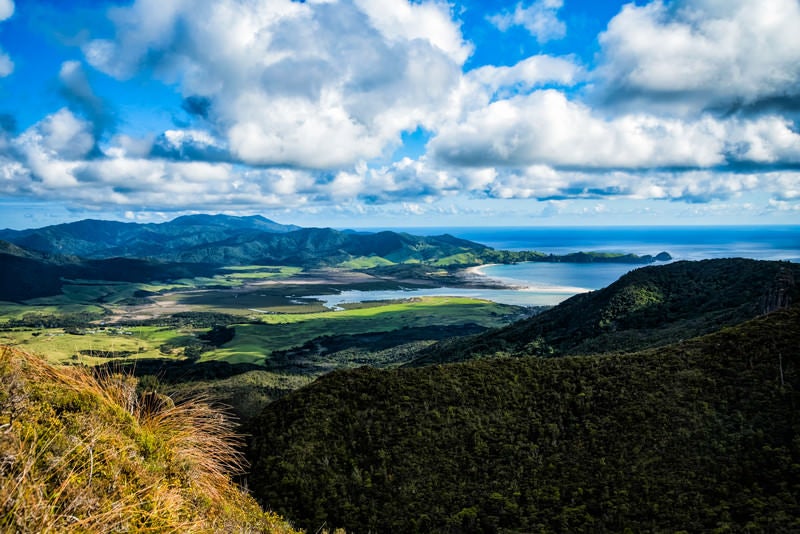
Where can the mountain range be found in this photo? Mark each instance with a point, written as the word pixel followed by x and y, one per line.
pixel 226 240
pixel 35 262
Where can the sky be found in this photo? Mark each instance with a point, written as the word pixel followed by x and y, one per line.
pixel 358 113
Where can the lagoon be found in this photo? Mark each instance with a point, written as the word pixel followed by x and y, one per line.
pixel 534 284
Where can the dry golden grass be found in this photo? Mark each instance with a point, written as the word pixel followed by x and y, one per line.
pixel 81 452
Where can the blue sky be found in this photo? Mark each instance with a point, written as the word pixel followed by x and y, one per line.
pixel 396 113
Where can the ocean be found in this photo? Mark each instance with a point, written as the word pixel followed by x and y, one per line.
pixel 682 242
pixel 547 284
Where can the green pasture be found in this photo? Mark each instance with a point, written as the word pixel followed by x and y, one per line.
pixel 55 306
pixel 93 292
pixel 94 345
pixel 256 272
pixel 249 302
pixel 254 342
pixel 236 276
pixel 365 262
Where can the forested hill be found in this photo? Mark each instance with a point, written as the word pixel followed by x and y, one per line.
pixel 699 436
pixel 91 238
pixel 647 307
pixel 226 240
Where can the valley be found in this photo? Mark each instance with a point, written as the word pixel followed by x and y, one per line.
pixel 440 413
pixel 100 292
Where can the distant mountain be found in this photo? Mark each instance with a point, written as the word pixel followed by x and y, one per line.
pixel 320 247
pixel 226 240
pixel 139 254
pixel 35 261
pixel 699 436
pixel 105 239
pixel 647 307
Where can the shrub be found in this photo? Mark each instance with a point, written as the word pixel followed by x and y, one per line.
pixel 83 451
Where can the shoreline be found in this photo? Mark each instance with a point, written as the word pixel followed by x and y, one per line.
pixel 478 269
pixel 475 276
pixel 476 273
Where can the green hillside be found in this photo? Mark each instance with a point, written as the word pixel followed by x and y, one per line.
pixel 647 307
pixel 226 240
pixel 702 435
pixel 106 239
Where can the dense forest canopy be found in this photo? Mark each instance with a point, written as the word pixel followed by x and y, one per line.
pixel 697 436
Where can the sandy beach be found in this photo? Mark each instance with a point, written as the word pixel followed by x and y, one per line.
pixel 477 274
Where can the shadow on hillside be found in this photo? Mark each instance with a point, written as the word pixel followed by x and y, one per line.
pixel 176 372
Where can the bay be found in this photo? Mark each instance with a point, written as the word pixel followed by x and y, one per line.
pixel 546 284
pixel 682 242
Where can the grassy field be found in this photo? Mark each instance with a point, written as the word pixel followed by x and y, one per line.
pixel 254 342
pixel 265 272
pixel 365 262
pixel 99 321
pixel 14 310
pixel 94 345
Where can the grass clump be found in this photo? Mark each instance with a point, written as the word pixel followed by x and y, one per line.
pixel 85 452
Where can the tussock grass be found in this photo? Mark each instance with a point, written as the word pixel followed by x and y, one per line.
pixel 85 452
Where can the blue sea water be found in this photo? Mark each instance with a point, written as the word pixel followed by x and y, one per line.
pixel 540 284
pixel 682 242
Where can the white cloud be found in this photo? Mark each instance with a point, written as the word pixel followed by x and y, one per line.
pixel 545 183
pixel 545 127
pixel 699 53
pixel 6 9
pixel 299 106
pixel 402 21
pixel 540 18
pixel 122 146
pixel 784 206
pixel 530 72
pixel 61 136
pixel 78 92
pixel 769 139
pixel 315 85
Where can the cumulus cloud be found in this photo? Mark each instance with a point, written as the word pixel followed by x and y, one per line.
pixel 700 186
pixel 545 127
pixel 60 136
pixel 52 149
pixel 313 84
pixel 694 54
pixel 51 162
pixel 540 18
pixel 529 73
pixel 300 105
pixel 6 9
